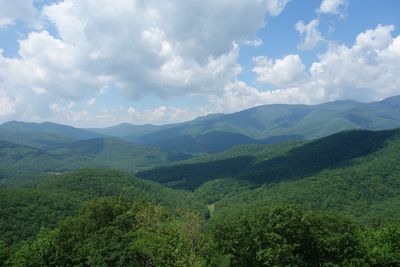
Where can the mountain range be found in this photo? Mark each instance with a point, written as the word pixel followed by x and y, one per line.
pixel 217 132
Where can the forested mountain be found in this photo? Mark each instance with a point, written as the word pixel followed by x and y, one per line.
pixel 127 131
pixel 263 125
pixel 42 135
pixel 217 132
pixel 356 172
pixel 276 123
pixel 345 186
pixel 269 163
pixel 41 201
pixel 107 152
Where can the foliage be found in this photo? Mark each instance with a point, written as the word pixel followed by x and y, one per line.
pixel 53 197
pixel 346 189
pixel 24 161
pixel 114 232
pixel 24 211
pixel 289 236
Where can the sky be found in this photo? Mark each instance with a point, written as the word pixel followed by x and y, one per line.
pixel 97 63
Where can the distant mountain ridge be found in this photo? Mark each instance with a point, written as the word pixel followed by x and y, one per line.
pixel 281 122
pixel 43 135
pixel 217 132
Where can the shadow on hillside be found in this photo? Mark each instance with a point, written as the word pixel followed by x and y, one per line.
pixel 325 153
pixel 329 152
pixel 192 175
pixel 91 146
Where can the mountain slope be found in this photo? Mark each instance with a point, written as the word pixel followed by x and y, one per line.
pixel 278 122
pixel 126 130
pixel 18 160
pixel 260 164
pixel 42 135
pixel 43 201
pixel 366 187
pixel 355 172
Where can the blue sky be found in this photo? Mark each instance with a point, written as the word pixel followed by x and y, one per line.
pixel 95 63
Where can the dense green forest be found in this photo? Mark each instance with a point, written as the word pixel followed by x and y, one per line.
pixel 116 232
pixel 354 172
pixel 328 202
pixel 18 160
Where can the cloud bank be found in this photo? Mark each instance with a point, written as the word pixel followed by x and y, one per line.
pixel 177 48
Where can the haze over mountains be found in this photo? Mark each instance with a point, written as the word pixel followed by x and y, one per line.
pixel 215 133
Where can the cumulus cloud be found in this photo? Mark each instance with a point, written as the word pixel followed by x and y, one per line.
pixel 335 7
pixel 44 71
pixel 162 49
pixel 239 95
pixel 311 36
pixel 275 7
pixel 281 72
pixel 164 114
pixel 14 10
pixel 366 71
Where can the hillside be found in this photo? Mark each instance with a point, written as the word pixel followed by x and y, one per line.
pixel 42 135
pixel 355 172
pixel 113 153
pixel 345 188
pixel 28 205
pixel 127 131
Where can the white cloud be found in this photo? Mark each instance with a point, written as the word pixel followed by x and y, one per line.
pixel 335 7
pixel 256 42
pixel 238 96
pixel 67 114
pixel 365 71
pixel 13 10
pixel 157 115
pixel 281 72
pixel 7 106
pixel 44 71
pixel 163 114
pixel 311 36
pixel 162 49
pixel 275 7
pixel 92 102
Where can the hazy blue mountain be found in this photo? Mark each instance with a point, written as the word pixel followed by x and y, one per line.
pixel 216 132
pixel 276 123
pixel 42 135
pixel 126 130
